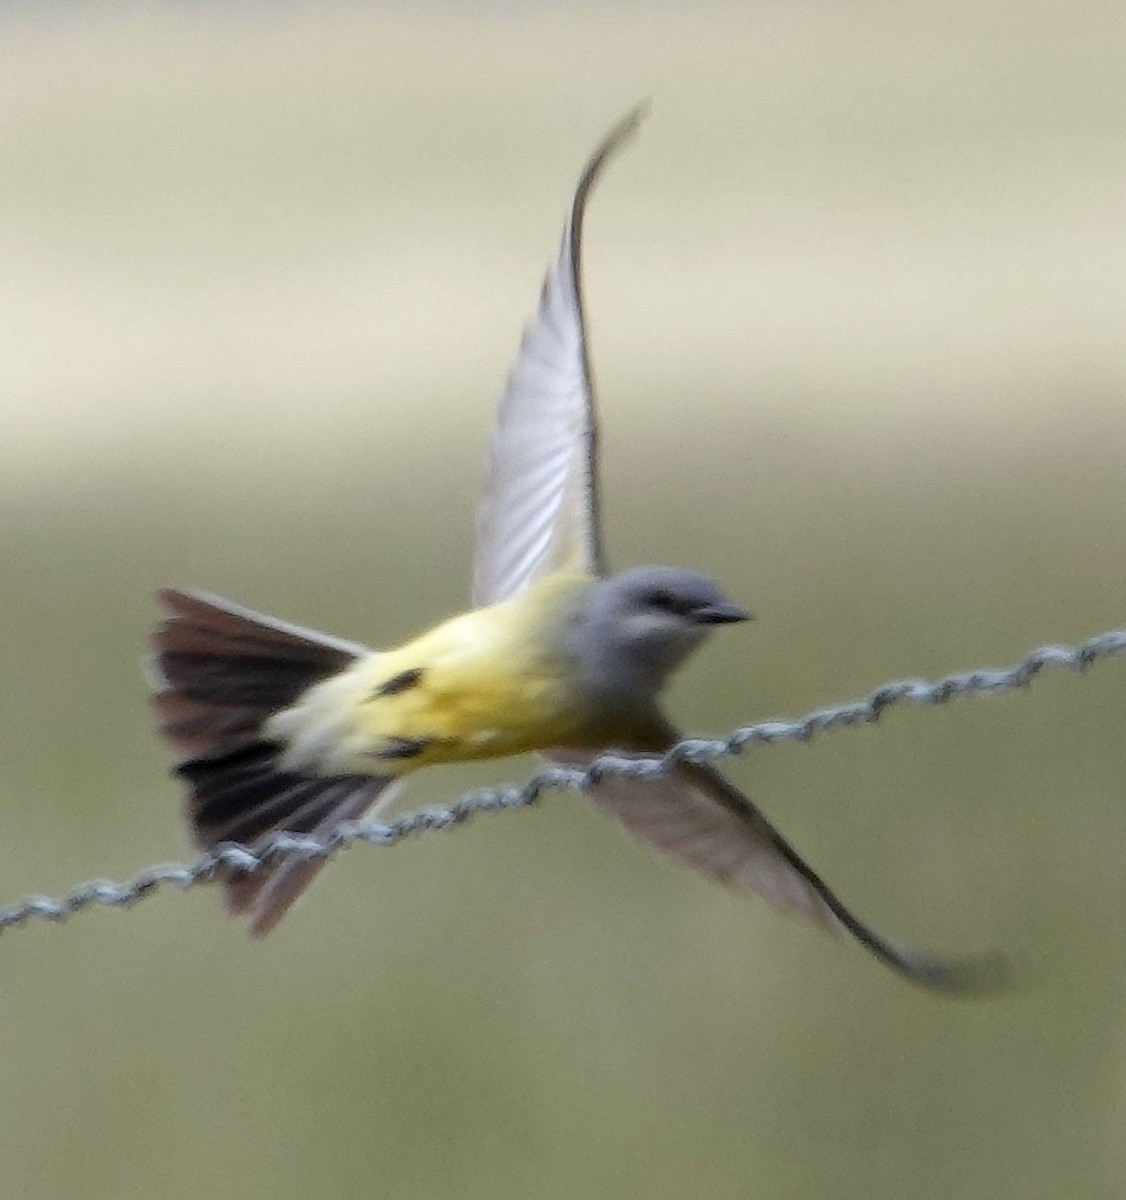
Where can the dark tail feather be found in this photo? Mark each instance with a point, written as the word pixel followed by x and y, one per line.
pixel 220 670
pixel 220 673
pixel 245 796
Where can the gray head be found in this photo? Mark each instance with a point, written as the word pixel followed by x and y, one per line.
pixel 637 626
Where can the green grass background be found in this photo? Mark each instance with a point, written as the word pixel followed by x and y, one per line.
pixel 858 311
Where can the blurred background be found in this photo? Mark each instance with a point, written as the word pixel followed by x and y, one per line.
pixel 858 298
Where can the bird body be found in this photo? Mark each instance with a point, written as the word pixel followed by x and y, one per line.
pixel 485 684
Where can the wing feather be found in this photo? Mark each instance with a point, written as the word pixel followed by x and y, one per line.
pixel 701 820
pixel 539 503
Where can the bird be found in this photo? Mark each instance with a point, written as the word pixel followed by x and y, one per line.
pixel 280 728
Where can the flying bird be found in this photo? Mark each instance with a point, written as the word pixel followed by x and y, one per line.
pixel 281 728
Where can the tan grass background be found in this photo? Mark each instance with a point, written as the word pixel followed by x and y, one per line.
pixel 858 309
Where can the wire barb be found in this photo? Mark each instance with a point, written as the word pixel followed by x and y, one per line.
pixel 505 798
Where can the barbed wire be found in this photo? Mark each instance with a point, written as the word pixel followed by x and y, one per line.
pixel 280 846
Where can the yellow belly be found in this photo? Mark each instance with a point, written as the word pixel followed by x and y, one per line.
pixel 484 684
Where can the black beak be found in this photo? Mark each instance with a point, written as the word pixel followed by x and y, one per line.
pixel 719 614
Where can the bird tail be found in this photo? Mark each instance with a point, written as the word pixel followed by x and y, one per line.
pixel 219 673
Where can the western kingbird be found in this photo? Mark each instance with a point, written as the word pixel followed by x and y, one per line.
pixel 281 728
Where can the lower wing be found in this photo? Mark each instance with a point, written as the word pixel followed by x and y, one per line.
pixel 698 818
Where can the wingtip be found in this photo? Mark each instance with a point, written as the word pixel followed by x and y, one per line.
pixel 974 977
pixel 621 131
pixel 629 124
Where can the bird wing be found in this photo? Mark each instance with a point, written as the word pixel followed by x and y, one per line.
pixel 538 510
pixel 698 818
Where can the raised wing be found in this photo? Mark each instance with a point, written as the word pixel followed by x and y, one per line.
pixel 700 819
pixel 539 503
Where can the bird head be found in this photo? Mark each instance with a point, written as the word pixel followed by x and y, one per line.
pixel 639 625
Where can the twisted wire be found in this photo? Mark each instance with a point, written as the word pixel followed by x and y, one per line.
pixel 504 798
